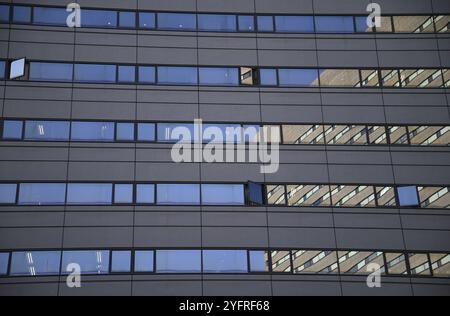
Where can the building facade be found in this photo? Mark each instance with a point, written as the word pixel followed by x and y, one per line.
pixel 360 114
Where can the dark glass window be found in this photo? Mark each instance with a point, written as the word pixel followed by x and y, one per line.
pixel 255 193
pixel 298 77
pixel 21 14
pixel 51 71
pixel 35 263
pixel 265 23
pixel 219 76
pixel 2 69
pixel 177 75
pixel 95 131
pixel 127 19
pixel 4 13
pixel 334 24
pixel 226 194
pixel 127 74
pixel 225 261
pixel 294 24
pixel 268 77
pixel 178 261
pixel 95 73
pixel 8 193
pixel 123 193
pixel 42 193
pixel 121 261
pixel 217 22
pixel 145 193
pixel 98 18
pixel 182 194
pixel 147 20
pixel 12 129
pixel 177 21
pixel 407 196
pixel 125 131
pixel 259 261
pixel 4 260
pixel 146 132
pixel 50 16
pixel 167 132
pixel 47 130
pixel 143 261
pixel 246 23
pixel 90 261
pixel 89 193
pixel 146 74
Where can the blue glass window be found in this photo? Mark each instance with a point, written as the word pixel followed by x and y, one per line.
pixel 2 69
pixel 178 261
pixel 123 193
pixel 145 193
pixel 265 23
pixel 42 193
pixel 226 194
pixel 125 131
pixel 255 193
pixel 146 74
pixel 4 13
pixel 12 129
pixel 407 196
pixel 50 16
pixel 35 263
pixel 47 130
pixel 361 25
pixel 177 75
pixel 246 23
pixel 217 22
pixel 95 131
pixel 147 20
pixel 222 133
pixel 177 21
pixel 258 261
pixel 89 193
pixel 21 14
pixel 127 74
pixel 95 73
pixel 121 261
pixel 8 193
pixel 219 76
pixel 294 24
pixel 51 71
pixel 146 132
pixel 143 261
pixel 174 132
pixel 127 19
pixel 298 77
pixel 98 18
pixel 90 261
pixel 225 261
pixel 4 260
pixel 268 77
pixel 182 194
pixel 334 24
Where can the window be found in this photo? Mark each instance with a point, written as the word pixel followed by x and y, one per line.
pixel 145 193
pixel 127 74
pixel 50 16
pixel 89 193
pixel 177 21
pixel 125 131
pixel 12 129
pixel 121 261
pixel 407 196
pixel 421 78
pixel 2 69
pixel 21 14
pixel 177 75
pixel 98 18
pixel 434 197
pixel 265 23
pixel 346 134
pixel 17 68
pixel 225 261
pixel 398 135
pixel 4 261
pixel 123 193
pixel 35 263
pixel 353 195
pixel 308 195
pixel 334 24
pixel 377 135
pixel 94 131
pixel 298 77
pixel 248 76
pixel 90 261
pixel 226 194
pixel 4 13
pixel 51 71
pixel 127 19
pixel 385 196
pixel 440 264
pixel 174 132
pixel 246 23
pixel 419 264
pixel 217 22
pixel 8 193
pixel 268 77
pixel 222 133
pixel 259 261
pixel 147 20
pixel 317 262
pixel 294 24
pixel 339 78
pixel 357 262
pixel 219 76
pixel 143 261
pixel 178 261
pixel 47 130
pixel 361 25
pixel 146 132
pixel 385 25
pixel 255 193
pixel 370 78
pixel 390 78
pixel 281 261
pixel 95 73
pixel 276 194
pixel 146 74
pixel 429 135
pixel 413 24
pixel 303 134
pixel 42 193
pixel 441 23
pixel 182 194
pixel 395 263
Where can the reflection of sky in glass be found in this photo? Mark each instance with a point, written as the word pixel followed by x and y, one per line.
pixel 225 261
pixel 178 261
pixel 297 77
pixel 35 263
pixel 91 262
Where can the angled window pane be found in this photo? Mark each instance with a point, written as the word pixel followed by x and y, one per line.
pixel 442 23
pixel 377 135
pixel 385 196
pixel 127 74
pixel 370 78
pixel 8 193
pixel 146 132
pixel 396 263
pixel 386 24
pixel 4 13
pixel 398 135
pixel 276 194
pixel 390 78
pixel 281 261
pixel 317 262
pixel 127 19
pixel 4 261
pixel 357 262
pixel 90 261
pixel 217 22
pixel 265 23
pixel 353 195
pixel 182 194
pixel 346 134
pixel 50 16
pixel 308 195
pixel 145 193
pixel 2 69
pixel 259 261
pixel 413 24
pixel 303 134
pixel 146 74
pixel 440 264
pixel 225 194
pixel 339 78
pixel 47 130
pixel 12 129
pixel 95 73
pixel 147 20
pixel 421 78
pixel 248 76
pixel 33 263
pixel 143 261
pixel 219 76
pixel 429 135
pixel 42 193
pixel 89 193
pixel 246 23
pixel 361 25
pixel 294 24
pixel 95 131
pixel 407 196
pixel 98 18
pixel 419 264
pixel 177 75
pixel 121 261
pixel 298 77
pixel 123 193
pixel 255 193
pixel 177 21
pixel 434 197
pixel 225 261
pixel 21 14
pixel 174 132
pixel 125 131
pixel 268 77
pixel 51 71
pixel 334 24
pixel 178 261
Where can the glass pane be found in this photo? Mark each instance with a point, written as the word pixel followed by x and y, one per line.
pixel 127 74
pixel 147 74
pixel 429 135
pixel 95 73
pixel 361 25
pixel 47 130
pixel 259 261
pixel 407 196
pixel 339 78
pixel 21 14
pixel 312 261
pixel 35 263
pixel 146 132
pixel 357 262
pixel 276 194
pixel 265 23
pixel 398 135
pixel 268 77
pixel 308 195
pixel 98 18
pixel 219 76
pixel 145 193
pixel 143 261
pixel 390 78
pixel 440 263
pixel 96 131
pixel 281 261
pixel 177 75
pixel 50 16
pixel 125 131
pixel 370 78
pixel 446 74
pixel 127 19
pixel 147 20
pixel 217 22
pixel 353 195
pixel 334 24
pixel 51 71
pixel 303 134
pixel 178 261
pixel 413 24
pixel 182 194
pixel 225 261
pixel 12 129
pixel 246 23
pixel 386 24
pixel 385 196
pixel 177 21
pixel 90 261
pixel 434 197
pixel 222 133
pixel 226 194
pixel 421 78
pixel 419 264
pixel 294 24
pixel 121 261
pixel 377 135
pixel 8 193
pixel 298 77
pixel 2 69
pixel 396 263
pixel 4 13
pixel 174 132
pixel 89 193
pixel 4 261
pixel 42 193
pixel 123 193
pixel 346 134
pixel 255 193
pixel 442 23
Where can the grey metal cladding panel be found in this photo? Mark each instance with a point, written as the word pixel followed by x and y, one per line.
pixel 43 36
pixel 283 219
pixel 32 153
pixel 230 112
pixel 426 222
pixel 235 6
pixel 159 237
pixel 100 237
pixel 167 288
pixel 444 43
pixel 37 108
pixel 227 57
pixel 299 173
pixel 351 97
pixel 168 5
pixel 287 58
pixel 358 157
pixel 431 289
pixel 209 42
pixel 417 115
pixel 33 171
pixel 29 289
pixel 414 97
pixel 289 97
pixel 101 154
pixel 234 288
pixel 402 7
pixel 284 6
pixel 430 240
pixel 301 156
pixel 421 44
pixel 438 175
pixel 351 59
pixel 441 6
pixel 105 93
pixel 172 56
pixel 167 39
pixel 87 37
pixel 167 218
pixel 239 237
pixel 101 171
pixel 306 288
pixel 234 219
pixel 280 43
pixel 291 114
pixel 408 58
pixel 302 238
pixel 341 7
pixel 31 219
pixel 367 221
pixel 361 173
pixel 354 238
pixel 226 96
pixel 106 288
pixel 41 51
pixel 108 54
pixel 129 4
pixel 169 111
pixel 30 238
pixel 346 44
pixel 35 91
pixel 167 172
pixel 420 158
pixel 99 219
pixel 353 114
pixel 104 110
pixel 386 289
pixel 167 95
pixel 445 58
pixel 232 172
